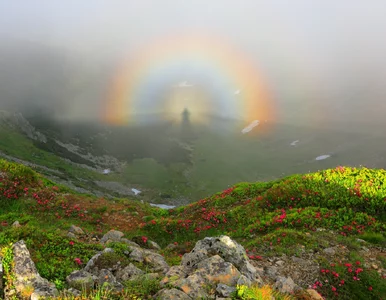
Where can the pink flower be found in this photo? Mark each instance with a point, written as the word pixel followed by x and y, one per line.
pixel 78 261
pixel 333 289
pixel 144 239
pixel 72 243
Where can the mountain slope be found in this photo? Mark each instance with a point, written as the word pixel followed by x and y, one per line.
pixel 329 220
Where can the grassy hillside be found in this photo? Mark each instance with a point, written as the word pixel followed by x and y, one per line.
pixel 342 207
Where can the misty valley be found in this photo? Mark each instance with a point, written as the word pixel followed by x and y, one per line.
pixel 178 162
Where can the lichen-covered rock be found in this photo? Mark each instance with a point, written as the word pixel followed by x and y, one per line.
pixel 156 261
pixel 194 286
pixel 175 273
pixel 189 260
pixel 285 284
pixel 216 270
pixel 71 235
pixel 107 279
pixel 27 276
pixel 129 243
pixel 80 280
pixel 226 248
pixel 130 272
pixel 171 294
pixel 153 245
pixel 225 290
pixel 73 292
pixel 112 236
pixel 244 281
pixel 91 265
pixel 137 254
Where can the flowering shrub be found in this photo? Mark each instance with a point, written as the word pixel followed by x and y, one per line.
pixel 343 280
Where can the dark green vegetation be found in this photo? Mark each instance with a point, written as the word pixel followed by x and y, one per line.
pixel 333 206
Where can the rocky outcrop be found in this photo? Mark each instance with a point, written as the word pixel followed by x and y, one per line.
pixel 217 262
pixel 212 270
pixel 26 275
pixel 22 123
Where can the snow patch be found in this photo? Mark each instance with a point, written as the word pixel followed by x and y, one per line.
pixel 322 157
pixel 250 126
pixel 135 191
pixel 164 206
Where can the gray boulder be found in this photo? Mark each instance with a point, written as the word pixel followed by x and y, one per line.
pixel 130 272
pixel 112 236
pixel 285 284
pixel 27 276
pixel 107 279
pixel 225 290
pixel 172 294
pixel 156 261
pixel 76 230
pixel 175 273
pixel 226 248
pixel 193 286
pixel 80 280
pixel 216 269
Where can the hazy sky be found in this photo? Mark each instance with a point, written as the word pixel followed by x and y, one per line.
pixel 332 50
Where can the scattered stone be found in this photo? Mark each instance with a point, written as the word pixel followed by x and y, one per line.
pixel 153 245
pixel 244 281
pixel 74 292
pixel 271 271
pixel 91 264
pixel 172 294
pixel 156 261
pixel 80 280
pixel 175 273
pixel 365 249
pixel 16 224
pixel 225 290
pixel 107 279
pixel 76 230
pixel 71 235
pixel 285 285
pixel 130 272
pixel 280 263
pixel 329 251
pixel 112 236
pixel 171 247
pixel 137 255
pixel 374 266
pixel 216 269
pixel 129 243
pixel 193 286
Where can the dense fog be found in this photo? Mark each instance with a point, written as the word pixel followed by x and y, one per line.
pixel 322 62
